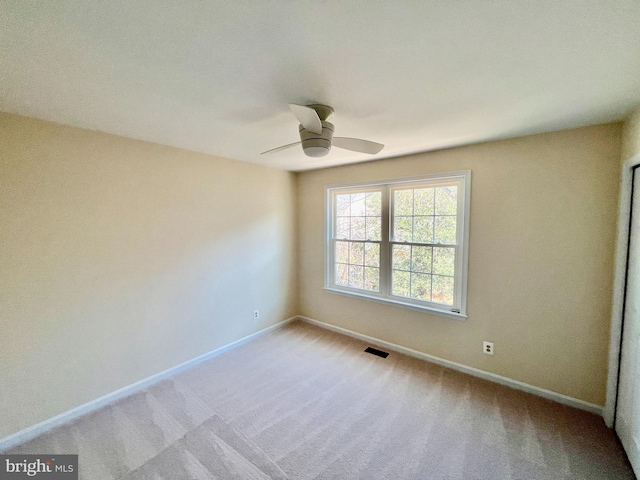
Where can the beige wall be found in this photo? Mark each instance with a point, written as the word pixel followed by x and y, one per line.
pixel 120 258
pixel 542 231
pixel 631 136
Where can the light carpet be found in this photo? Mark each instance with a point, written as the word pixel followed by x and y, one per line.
pixel 302 402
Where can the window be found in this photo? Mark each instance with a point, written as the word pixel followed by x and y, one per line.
pixel 401 241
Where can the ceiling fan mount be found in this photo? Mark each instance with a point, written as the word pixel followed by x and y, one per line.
pixel 316 133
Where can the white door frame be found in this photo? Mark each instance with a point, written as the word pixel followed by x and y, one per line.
pixel 619 284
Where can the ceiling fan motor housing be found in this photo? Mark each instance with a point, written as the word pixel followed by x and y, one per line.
pixel 317 145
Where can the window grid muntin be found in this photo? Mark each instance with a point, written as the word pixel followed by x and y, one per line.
pixel 350 264
pixel 431 273
pixel 436 186
pixel 461 180
pixel 334 267
pixel 366 218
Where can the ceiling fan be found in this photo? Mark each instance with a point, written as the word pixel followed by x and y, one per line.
pixel 316 133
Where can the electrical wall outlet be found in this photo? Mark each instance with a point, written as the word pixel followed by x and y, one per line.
pixel 256 314
pixel 487 347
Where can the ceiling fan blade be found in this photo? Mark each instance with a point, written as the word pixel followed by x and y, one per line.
pixel 307 117
pixel 357 145
pixel 283 147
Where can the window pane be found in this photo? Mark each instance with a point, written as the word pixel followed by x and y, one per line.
pixel 403 202
pixel 342 274
pixel 372 254
pixel 400 283
pixel 343 227
pixel 421 286
pixel 359 216
pixel 447 200
pixel 444 261
pixel 423 201
pixel 420 248
pixel 442 290
pixel 343 205
pixel 423 229
pixel 357 204
pixel 350 258
pixel 373 204
pixel 445 230
pixel 372 278
pixel 374 228
pixel 421 259
pixel 356 276
pixel 402 229
pixel 402 257
pixel 356 253
pixel 342 252
pixel 358 228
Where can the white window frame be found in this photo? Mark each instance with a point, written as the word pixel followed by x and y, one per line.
pixel 459 309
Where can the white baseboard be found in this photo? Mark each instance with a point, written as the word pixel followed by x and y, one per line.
pixel 65 417
pixel 70 415
pixel 525 387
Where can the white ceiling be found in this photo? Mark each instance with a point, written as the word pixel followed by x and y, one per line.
pixel 216 76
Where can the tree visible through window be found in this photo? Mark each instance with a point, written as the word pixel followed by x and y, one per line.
pixel 424 243
pixel 357 246
pixel 403 241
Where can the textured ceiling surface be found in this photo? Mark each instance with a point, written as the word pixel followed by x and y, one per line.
pixel 217 76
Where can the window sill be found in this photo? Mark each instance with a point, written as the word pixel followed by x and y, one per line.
pixel 398 303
